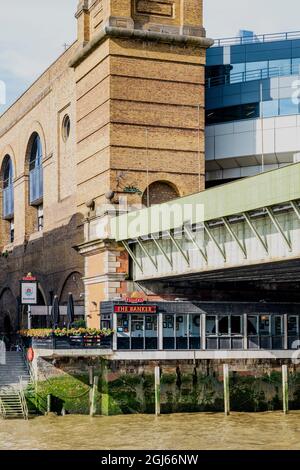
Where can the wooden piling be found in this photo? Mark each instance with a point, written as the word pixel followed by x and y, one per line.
pixel 48 404
pixel 285 389
pixel 104 389
pixel 226 389
pixel 93 404
pixel 157 389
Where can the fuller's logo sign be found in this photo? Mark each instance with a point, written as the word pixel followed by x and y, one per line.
pixel 29 287
pixel 135 309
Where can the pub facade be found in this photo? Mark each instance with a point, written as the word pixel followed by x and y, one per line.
pixel 214 326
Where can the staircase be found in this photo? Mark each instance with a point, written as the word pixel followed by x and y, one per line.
pixel 13 404
pixel 14 379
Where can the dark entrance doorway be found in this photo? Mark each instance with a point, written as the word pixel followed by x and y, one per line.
pixel 7 326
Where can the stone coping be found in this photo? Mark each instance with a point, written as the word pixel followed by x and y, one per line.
pixel 142 35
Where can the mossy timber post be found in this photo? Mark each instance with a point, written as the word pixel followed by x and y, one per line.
pixel 157 389
pixel 93 404
pixel 285 389
pixel 49 403
pixel 226 389
pixel 104 389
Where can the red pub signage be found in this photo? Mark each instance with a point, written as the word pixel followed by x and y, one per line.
pixel 135 309
pixel 133 300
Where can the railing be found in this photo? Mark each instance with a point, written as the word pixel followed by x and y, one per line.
pixel 260 74
pixel 261 38
pixel 28 366
pixel 73 342
pixel 8 201
pixel 2 410
pixel 23 399
pixel 36 184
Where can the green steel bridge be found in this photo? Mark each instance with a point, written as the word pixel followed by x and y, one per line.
pixel 245 230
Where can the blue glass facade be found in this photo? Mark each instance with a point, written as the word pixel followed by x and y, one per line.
pixel 246 81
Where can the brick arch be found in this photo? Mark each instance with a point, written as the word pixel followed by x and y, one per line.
pixel 8 151
pixel 74 284
pixel 36 128
pixel 5 159
pixel 159 192
pixel 8 310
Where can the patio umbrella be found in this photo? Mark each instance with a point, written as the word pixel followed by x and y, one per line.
pixel 55 313
pixel 70 310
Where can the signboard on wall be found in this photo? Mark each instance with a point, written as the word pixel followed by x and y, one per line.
pixel 135 308
pixel 28 292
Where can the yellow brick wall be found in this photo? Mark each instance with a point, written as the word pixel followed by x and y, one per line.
pixel 140 116
pixel 137 117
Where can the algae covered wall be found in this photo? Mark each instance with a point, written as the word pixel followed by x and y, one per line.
pixel 126 387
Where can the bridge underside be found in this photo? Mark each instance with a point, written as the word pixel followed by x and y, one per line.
pixel 278 272
pixel 277 282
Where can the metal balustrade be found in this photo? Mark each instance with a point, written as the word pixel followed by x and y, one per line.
pixel 260 38
pixel 36 184
pixel 250 75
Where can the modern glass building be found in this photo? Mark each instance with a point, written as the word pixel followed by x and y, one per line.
pixel 252 105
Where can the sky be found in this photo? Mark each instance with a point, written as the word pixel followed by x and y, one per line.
pixel 33 32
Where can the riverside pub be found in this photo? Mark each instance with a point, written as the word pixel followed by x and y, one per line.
pixel 211 326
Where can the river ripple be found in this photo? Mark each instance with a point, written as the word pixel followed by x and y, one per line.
pixel 203 431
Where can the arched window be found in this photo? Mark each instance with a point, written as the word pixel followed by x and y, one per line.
pixel 7 176
pixel 36 171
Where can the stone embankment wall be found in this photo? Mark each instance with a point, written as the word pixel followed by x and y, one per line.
pixel 128 387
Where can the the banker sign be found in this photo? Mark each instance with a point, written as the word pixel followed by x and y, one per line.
pixel 29 292
pixel 135 309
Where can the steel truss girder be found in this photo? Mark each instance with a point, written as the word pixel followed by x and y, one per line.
pixel 255 232
pixel 214 240
pixel 146 252
pixel 234 236
pixel 192 238
pixel 296 208
pixel 132 255
pixel 179 248
pixel 279 228
pixel 160 248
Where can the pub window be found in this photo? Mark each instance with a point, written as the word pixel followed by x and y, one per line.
pixel 293 325
pixel 211 325
pixel 252 325
pixel 277 326
pixel 194 331
pixel 236 325
pixel 168 332
pixel 224 325
pixel 181 332
pixel 264 325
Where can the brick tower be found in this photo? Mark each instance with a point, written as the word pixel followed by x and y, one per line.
pixel 139 72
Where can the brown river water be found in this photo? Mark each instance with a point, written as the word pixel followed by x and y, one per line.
pixel 203 431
